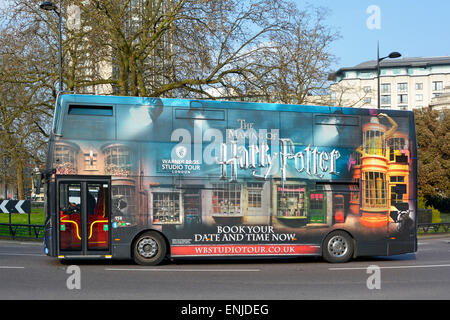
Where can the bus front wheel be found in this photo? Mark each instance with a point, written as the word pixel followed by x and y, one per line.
pixel 149 249
pixel 338 247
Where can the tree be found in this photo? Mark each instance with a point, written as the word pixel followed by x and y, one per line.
pixel 301 54
pixel 183 47
pixel 24 111
pixel 433 139
pixel 188 48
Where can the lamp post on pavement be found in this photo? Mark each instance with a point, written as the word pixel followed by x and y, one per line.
pixel 391 55
pixel 50 6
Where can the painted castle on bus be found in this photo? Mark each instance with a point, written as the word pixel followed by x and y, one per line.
pixel 178 163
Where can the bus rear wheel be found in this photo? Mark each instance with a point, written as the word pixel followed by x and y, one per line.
pixel 149 249
pixel 338 247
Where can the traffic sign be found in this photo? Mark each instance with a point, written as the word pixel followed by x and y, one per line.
pixel 15 206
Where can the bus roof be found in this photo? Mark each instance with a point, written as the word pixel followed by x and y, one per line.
pixel 220 104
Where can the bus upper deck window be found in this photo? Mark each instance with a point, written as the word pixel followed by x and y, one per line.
pixel 83 110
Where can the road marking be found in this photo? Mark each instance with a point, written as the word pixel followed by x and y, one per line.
pixel 185 270
pixel 8 267
pixel 19 244
pixel 22 254
pixel 31 243
pixel 395 267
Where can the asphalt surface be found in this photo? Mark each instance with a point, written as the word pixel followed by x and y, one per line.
pixel 26 273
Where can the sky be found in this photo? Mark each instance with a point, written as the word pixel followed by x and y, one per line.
pixel 415 28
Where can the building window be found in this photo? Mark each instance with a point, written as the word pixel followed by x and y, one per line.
pixel 385 87
pixel 316 201
pixel 386 99
pixel 402 98
pixel 395 144
pixel 124 202
pixel 90 161
pixel 254 195
pixel 118 160
pixel 419 86
pixel 398 189
pixel 367 100
pixel 227 198
pixel 374 190
pixel 374 142
pixel 397 179
pixel 402 86
pixel 419 97
pixel 367 89
pixel 354 191
pixel 65 159
pixel 437 85
pixel 291 201
pixel 333 97
pixel 166 207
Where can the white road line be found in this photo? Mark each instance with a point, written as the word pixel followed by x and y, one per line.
pixel 9 267
pixel 185 270
pixel 395 267
pixel 32 243
pixel 22 254
pixel 11 244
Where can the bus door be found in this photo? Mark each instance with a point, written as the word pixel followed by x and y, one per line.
pixel 84 216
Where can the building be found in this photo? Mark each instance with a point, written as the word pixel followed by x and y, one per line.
pixel 442 101
pixel 405 84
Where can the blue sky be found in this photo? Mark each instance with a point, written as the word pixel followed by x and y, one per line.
pixel 415 28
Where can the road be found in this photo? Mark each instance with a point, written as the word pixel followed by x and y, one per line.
pixel 26 273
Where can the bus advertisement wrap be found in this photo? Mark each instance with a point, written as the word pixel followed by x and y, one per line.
pixel 227 178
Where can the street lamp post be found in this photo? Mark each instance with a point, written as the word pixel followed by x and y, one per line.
pixel 50 6
pixel 392 55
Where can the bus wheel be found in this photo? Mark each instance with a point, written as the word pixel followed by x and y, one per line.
pixel 149 249
pixel 338 247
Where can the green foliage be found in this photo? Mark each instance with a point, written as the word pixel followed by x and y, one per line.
pixel 436 214
pixel 433 139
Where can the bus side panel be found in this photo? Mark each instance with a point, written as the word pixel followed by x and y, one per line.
pixel 403 187
pixel 217 180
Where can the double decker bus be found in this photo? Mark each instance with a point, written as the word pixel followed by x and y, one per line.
pixel 149 178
